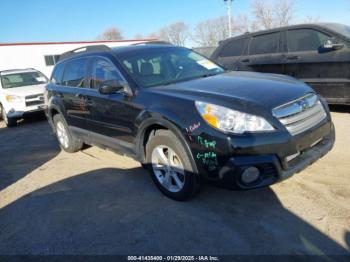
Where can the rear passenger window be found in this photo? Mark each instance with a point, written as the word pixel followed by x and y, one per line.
pixel 75 72
pixel 305 40
pixel 103 73
pixel 265 44
pixel 234 48
pixel 56 77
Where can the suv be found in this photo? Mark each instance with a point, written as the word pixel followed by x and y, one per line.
pixel 184 118
pixel 21 93
pixel 318 54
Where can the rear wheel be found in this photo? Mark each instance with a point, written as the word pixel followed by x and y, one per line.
pixel 10 122
pixel 67 140
pixel 170 166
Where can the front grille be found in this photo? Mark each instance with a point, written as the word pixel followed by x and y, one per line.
pixel 300 115
pixel 34 100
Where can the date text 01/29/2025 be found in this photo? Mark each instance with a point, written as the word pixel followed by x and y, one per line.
pixel 173 258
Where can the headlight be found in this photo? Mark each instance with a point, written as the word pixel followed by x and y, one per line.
pixel 230 120
pixel 13 99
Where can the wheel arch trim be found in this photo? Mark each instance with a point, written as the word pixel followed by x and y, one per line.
pixel 168 124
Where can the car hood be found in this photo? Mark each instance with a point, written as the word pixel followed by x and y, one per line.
pixel 25 90
pixel 266 90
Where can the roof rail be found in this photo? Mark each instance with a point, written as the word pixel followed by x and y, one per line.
pixel 155 42
pixel 90 48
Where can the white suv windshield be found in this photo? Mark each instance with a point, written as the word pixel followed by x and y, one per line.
pixel 22 79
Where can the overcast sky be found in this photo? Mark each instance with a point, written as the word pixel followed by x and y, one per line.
pixel 74 20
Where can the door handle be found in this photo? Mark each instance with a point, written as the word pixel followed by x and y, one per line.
pixel 247 60
pixel 293 57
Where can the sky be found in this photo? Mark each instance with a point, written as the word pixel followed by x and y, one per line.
pixel 84 20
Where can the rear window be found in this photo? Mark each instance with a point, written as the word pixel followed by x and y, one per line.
pixel 265 44
pixel 75 72
pixel 234 48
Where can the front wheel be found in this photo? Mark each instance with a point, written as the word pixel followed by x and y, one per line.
pixel 170 166
pixel 10 122
pixel 68 141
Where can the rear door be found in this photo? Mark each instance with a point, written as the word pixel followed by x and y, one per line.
pixel 72 90
pixel 231 52
pixel 325 70
pixel 265 54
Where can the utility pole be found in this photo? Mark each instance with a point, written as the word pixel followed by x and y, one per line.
pixel 228 9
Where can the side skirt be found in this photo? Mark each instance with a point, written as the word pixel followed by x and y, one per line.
pixel 105 142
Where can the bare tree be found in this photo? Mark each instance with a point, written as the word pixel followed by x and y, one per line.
pixel 263 12
pixel 311 19
pixel 284 13
pixel 210 32
pixel 269 16
pixel 154 35
pixel 243 24
pixel 138 36
pixel 112 33
pixel 176 33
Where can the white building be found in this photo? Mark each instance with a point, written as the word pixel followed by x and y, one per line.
pixel 43 56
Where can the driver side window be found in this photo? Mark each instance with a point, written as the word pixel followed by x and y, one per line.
pixel 103 73
pixel 305 40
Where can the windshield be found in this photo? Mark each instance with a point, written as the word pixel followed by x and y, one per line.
pixel 340 29
pixel 22 79
pixel 162 66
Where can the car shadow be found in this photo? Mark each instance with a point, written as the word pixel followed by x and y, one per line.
pixel 340 108
pixel 24 148
pixel 119 211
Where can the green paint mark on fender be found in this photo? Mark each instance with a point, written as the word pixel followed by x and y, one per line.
pixel 206 143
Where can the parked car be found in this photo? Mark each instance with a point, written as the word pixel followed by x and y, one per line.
pixel 184 118
pixel 205 51
pixel 21 94
pixel 318 54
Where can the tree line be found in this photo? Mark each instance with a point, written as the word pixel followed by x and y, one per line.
pixel 265 14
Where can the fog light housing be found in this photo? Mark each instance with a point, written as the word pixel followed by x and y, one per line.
pixel 250 175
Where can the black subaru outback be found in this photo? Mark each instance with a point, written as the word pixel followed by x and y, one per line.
pixel 185 118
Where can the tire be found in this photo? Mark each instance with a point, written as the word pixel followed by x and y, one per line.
pixel 170 167
pixel 144 166
pixel 68 142
pixel 10 122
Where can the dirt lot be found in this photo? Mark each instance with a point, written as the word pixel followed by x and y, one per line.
pixel 97 202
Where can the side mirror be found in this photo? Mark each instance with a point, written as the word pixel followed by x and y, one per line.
pixel 331 44
pixel 110 87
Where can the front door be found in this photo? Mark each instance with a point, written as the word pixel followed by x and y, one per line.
pixel 326 70
pixel 111 117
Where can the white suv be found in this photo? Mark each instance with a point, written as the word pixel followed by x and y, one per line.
pixel 21 93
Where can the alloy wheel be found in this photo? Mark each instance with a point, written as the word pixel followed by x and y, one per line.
pixel 168 168
pixel 62 134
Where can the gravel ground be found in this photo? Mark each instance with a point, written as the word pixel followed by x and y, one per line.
pixel 97 202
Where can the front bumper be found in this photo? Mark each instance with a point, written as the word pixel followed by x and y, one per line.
pixel 272 166
pixel 27 111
